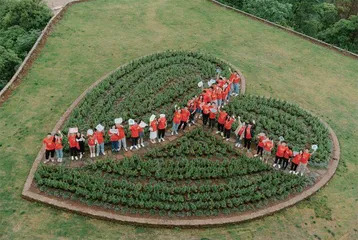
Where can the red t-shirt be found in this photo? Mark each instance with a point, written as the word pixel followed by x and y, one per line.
pixel 237 79
pixel 121 133
pixel 305 158
pixel 281 150
pixel 297 159
pixel 228 123
pixel 153 125
pixel 206 98
pixel 99 137
pixel 248 132
pixel 222 117
pixel 268 146
pixel 288 153
pixel 50 145
pixel 113 137
pixel 58 144
pixel 212 115
pixel 185 115
pixel 91 140
pixel 232 77
pixel 241 130
pixel 261 141
pixel 72 141
pixel 177 117
pixel 206 109
pixel 161 123
pixel 134 130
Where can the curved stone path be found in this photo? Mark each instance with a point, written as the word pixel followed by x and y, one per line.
pixel 56 5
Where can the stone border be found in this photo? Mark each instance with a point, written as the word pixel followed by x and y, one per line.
pixel 26 64
pixel 301 35
pixel 199 222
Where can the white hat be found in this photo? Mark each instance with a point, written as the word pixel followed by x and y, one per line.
pixel 118 120
pixel 89 132
pixel 100 127
pixel 131 122
pixel 162 115
pixel 152 118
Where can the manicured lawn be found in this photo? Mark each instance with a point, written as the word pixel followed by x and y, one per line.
pixel 97 36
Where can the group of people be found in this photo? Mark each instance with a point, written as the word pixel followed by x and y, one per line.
pixel 208 106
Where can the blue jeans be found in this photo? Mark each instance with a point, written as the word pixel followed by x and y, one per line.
pixel 59 153
pixel 115 146
pixel 236 87
pixel 175 127
pixel 100 148
pixel 220 102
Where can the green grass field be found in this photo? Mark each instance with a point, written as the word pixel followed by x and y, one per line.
pixel 97 36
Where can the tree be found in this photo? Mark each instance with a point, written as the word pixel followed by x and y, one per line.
pixel 9 61
pixel 343 33
pixel 272 10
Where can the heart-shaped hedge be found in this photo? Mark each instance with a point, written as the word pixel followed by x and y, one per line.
pixel 195 175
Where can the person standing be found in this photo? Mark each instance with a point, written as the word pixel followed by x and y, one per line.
pixel 260 146
pixel 121 136
pixel 134 129
pixel 185 114
pixel 268 145
pixel 212 115
pixel 59 146
pixel 81 144
pixel 240 132
pixel 73 146
pixel 176 120
pixel 141 135
pixel 192 110
pixel 206 112
pixel 199 103
pixel 302 167
pixel 227 126
pixel 99 138
pixel 49 143
pixel 153 129
pixel 234 80
pixel 91 143
pixel 281 148
pixel 221 121
pixel 114 138
pixel 295 161
pixel 286 157
pixel 162 125
pixel 249 132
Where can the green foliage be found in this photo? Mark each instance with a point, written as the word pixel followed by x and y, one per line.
pixel 21 23
pixel 334 23
pixel 180 186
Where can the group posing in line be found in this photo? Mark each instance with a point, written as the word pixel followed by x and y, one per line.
pixel 208 106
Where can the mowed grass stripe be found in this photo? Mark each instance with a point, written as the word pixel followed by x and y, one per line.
pixel 97 36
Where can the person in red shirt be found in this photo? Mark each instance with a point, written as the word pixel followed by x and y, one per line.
pixel 206 112
pixel 227 126
pixel 286 157
pixel 268 145
pixel 192 111
pixel 295 161
pixel 212 115
pixel 114 138
pixel 134 129
pixel 185 114
pixel 153 129
pixel 141 135
pixel 73 145
pixel 240 132
pixel 219 93
pixel 206 96
pixel 122 136
pixel 248 134
pixel 91 143
pixel 99 139
pixel 176 120
pixel 49 143
pixel 260 146
pixel 235 80
pixel 162 125
pixel 221 121
pixel 199 102
pixel 59 146
pixel 302 167
pixel 281 148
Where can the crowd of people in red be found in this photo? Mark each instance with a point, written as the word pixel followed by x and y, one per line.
pixel 208 106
